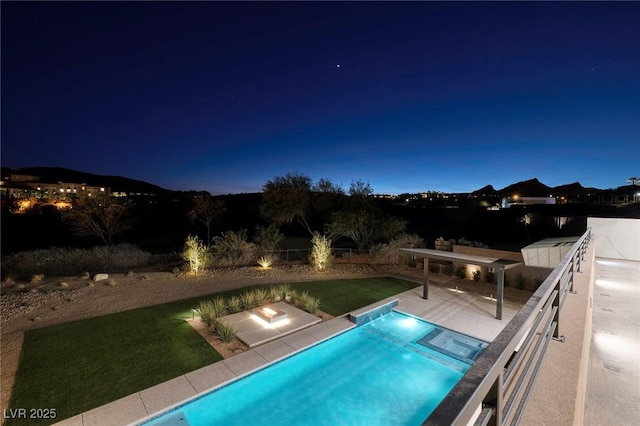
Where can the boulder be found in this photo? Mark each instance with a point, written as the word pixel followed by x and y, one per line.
pixel 100 277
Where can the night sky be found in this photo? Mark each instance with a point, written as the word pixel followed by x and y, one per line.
pixel 408 96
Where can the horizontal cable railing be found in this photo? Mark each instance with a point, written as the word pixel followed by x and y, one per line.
pixel 495 390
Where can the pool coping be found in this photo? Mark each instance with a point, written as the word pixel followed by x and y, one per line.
pixel 446 308
pixel 158 400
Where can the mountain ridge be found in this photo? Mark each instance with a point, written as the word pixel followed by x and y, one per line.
pixel 526 188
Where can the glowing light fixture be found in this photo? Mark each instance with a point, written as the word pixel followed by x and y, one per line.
pixel 270 314
pixel 408 322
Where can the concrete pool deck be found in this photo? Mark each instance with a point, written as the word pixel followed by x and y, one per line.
pixel 461 311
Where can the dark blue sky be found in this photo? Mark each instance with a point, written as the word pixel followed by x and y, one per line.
pixel 408 96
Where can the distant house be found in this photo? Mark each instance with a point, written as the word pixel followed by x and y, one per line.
pixel 17 186
pixel 524 201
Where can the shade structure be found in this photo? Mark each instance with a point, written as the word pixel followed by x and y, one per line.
pixel 496 264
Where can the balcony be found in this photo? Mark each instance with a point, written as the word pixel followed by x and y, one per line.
pixel 570 355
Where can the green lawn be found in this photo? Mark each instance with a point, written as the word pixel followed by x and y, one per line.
pixel 78 366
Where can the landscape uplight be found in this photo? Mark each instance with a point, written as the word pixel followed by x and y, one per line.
pixel 193 314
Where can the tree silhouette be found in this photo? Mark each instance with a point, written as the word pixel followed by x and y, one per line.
pixel 102 217
pixel 287 198
pixel 206 210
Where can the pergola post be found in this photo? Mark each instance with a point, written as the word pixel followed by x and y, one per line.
pixel 425 285
pixel 499 293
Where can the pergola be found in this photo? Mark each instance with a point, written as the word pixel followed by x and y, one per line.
pixel 498 266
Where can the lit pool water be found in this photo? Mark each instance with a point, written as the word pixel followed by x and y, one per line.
pixel 374 374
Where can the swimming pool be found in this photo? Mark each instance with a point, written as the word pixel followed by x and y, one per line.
pixel 374 374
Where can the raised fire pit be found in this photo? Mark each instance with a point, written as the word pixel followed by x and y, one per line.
pixel 270 313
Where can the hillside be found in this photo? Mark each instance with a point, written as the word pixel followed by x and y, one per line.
pixel 116 183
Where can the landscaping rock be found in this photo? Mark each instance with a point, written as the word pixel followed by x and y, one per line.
pixel 100 277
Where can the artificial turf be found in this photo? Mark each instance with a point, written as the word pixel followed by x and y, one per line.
pixel 77 366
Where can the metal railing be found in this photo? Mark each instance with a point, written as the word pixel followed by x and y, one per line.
pixel 495 390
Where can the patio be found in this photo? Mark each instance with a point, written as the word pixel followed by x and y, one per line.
pixel 462 311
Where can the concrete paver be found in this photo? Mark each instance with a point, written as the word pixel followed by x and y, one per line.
pixel 443 307
pixel 245 362
pixel 206 378
pixel 120 412
pixel 167 394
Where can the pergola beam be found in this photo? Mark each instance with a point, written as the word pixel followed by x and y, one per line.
pixel 499 265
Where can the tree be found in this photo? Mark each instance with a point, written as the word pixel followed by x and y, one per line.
pixel 360 188
pixel 287 198
pixel 267 239
pixel 102 217
pixel 364 227
pixel 206 210
pixel 324 185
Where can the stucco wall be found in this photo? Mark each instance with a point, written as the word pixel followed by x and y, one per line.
pixel 616 238
pixel 533 276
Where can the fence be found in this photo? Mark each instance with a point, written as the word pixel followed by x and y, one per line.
pixel 496 388
pixel 303 254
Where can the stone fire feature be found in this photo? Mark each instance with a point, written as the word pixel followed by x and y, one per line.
pixel 270 313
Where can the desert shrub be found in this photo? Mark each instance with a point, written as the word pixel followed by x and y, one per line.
pixel 176 271
pixel 219 306
pixel 249 300
pixel 292 296
pixel 267 239
pixel 387 254
pixel 210 310
pixel 223 330
pixel 195 253
pixel 490 278
pixel 129 274
pixel 266 260
pixel 447 269
pixel 56 262
pixel 434 267
pixel 281 291
pixel 521 281
pixel 477 275
pixel 232 249
pixel 262 296
pixel 144 277
pixel 308 302
pixel 234 304
pixel 320 256
pixel 461 272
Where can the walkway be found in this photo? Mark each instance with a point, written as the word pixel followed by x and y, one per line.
pixel 613 381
